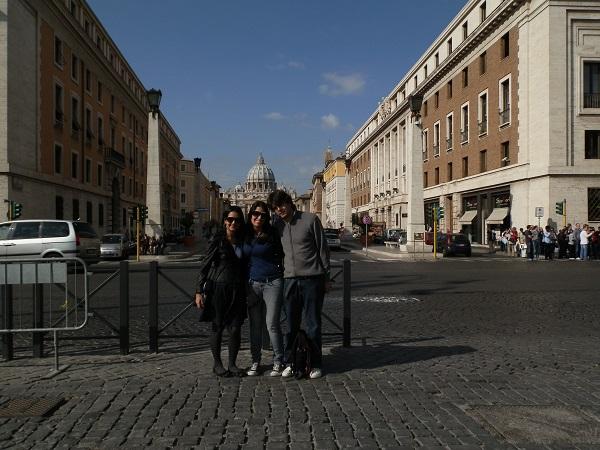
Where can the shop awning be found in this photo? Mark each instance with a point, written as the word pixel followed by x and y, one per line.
pixel 467 217
pixel 497 216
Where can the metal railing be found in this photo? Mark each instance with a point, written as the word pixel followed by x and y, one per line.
pixel 483 126
pixel 464 135
pixel 591 100
pixel 504 116
pixel 449 143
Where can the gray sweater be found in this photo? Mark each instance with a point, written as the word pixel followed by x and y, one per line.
pixel 304 245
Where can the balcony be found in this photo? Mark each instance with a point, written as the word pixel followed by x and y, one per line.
pixel 464 135
pixel 591 100
pixel 111 156
pixel 483 126
pixel 449 143
pixel 504 116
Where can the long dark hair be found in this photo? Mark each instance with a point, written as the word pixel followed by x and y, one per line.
pixel 267 228
pixel 242 229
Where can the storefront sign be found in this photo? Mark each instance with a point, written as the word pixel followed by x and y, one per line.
pixel 470 204
pixel 502 201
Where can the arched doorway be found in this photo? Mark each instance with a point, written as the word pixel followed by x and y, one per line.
pixel 115 206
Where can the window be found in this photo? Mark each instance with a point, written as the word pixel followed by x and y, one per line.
pixel 112 104
pixel 437 59
pixel 99 175
pixel 130 189
pixel 425 139
pixel 449 172
pixel 436 139
pixel 75 68
pixel 57 159
pixel 436 99
pixel 464 123
pixel 449 89
pixel 465 30
pixel 591 84
pixel 76 209
pixel 88 212
pixel 58 52
pixel 73 8
pixel 100 215
pixel 437 175
pixel 59 207
pixel 465 166
pixel 449 46
pixel 504 101
pixel 100 131
pixel 74 164
pixel 88 170
pixel 26 230
pixel 183 198
pixel 465 77
pixel 425 108
pixel 505 45
pixel 416 80
pixel 124 217
pixel 182 183
pixel 75 124
pixel 482 114
pixel 112 137
pixel 482 63
pixel 122 184
pixel 58 105
pixel 99 92
pixel 425 183
pixel 592 144
pixel 505 149
pixel 593 204
pixel 55 229
pixel 482 12
pixel 183 167
pixel 425 70
pixel 449 133
pixel 483 161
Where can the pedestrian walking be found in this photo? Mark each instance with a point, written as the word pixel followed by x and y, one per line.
pixel 306 275
pixel 263 251
pixel 221 290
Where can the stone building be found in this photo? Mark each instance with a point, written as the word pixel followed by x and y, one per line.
pixel 316 196
pixel 509 122
pixel 334 178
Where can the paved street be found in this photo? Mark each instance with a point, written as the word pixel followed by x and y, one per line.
pixel 481 352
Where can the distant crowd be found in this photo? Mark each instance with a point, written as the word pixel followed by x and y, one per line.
pixel 575 243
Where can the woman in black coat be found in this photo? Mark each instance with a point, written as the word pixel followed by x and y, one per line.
pixel 221 289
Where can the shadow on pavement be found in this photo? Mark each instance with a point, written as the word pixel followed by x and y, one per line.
pixel 380 355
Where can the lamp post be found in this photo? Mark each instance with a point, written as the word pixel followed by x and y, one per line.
pixel 154 97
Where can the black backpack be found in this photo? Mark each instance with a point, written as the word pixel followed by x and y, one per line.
pixel 302 352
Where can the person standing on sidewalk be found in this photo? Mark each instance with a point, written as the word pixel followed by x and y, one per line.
pixel 584 240
pixel 221 289
pixel 306 275
pixel 263 251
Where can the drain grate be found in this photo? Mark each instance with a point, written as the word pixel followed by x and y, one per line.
pixel 546 424
pixel 30 407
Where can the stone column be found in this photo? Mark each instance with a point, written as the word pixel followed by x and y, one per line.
pixel 414 188
pixel 154 227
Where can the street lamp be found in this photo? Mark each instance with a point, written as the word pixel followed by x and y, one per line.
pixel 154 97
pixel 414 102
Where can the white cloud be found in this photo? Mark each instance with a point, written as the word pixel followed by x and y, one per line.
pixel 274 116
pixel 342 84
pixel 330 121
pixel 295 65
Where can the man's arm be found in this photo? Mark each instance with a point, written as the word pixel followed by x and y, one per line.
pixel 321 246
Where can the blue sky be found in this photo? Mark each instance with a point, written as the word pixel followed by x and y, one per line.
pixel 285 78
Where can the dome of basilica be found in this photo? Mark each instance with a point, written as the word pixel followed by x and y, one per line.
pixel 260 177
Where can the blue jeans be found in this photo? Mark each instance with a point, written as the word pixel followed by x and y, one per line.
pixel 268 297
pixel 303 299
pixel 584 251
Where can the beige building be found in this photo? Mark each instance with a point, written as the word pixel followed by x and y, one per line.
pixel 316 197
pixel 73 117
pixel 509 122
pixel 334 178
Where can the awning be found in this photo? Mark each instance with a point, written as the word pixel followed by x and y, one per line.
pixel 497 216
pixel 467 217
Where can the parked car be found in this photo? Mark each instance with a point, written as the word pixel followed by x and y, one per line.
pixel 454 244
pixel 115 246
pixel 333 238
pixel 49 239
pixel 395 235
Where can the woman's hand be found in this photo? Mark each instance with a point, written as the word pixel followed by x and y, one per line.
pixel 199 300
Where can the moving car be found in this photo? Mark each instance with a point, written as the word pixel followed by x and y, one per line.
pixel 22 239
pixel 115 246
pixel 333 238
pixel 453 244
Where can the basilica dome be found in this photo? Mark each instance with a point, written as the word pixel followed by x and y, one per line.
pixel 260 177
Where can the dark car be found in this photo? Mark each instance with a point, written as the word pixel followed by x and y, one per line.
pixel 453 244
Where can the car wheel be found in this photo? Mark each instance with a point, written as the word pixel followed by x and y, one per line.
pixel 52 255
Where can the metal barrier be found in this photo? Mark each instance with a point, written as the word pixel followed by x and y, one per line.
pixel 41 296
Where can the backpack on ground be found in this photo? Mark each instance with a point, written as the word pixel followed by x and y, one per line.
pixel 302 352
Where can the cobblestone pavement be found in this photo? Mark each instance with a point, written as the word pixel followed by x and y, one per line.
pixel 431 344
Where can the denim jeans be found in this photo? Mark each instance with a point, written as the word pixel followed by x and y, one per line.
pixel 303 300
pixel 266 310
pixel 536 249
pixel 584 251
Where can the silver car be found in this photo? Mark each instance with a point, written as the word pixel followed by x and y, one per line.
pixel 114 246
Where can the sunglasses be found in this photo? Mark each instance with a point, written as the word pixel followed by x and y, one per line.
pixel 233 219
pixel 256 214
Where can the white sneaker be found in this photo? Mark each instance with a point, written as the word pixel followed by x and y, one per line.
pixel 287 372
pixel 277 369
pixel 253 371
pixel 315 373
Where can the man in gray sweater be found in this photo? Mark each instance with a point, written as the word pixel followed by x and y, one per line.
pixel 306 275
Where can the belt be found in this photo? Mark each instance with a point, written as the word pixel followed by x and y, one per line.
pixel 265 280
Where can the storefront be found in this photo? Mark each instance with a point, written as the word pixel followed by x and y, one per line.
pixel 484 211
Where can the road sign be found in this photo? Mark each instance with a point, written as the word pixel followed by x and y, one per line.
pixel 202 209
pixel 539 211
pixel 367 220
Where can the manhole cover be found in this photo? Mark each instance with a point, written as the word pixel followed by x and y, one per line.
pixel 540 424
pixel 30 407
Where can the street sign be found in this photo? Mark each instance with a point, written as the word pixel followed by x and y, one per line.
pixel 202 209
pixel 539 211
pixel 367 220
pixel 419 236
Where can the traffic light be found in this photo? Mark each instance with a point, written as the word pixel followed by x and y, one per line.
pixel 16 210
pixel 440 212
pixel 143 212
pixel 560 208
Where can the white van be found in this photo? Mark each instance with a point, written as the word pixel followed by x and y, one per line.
pixel 49 239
